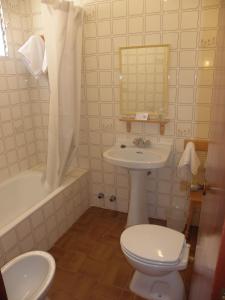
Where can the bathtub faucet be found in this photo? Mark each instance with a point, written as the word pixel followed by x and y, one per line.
pixel 141 142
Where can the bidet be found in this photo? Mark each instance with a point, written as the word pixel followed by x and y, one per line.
pixel 29 276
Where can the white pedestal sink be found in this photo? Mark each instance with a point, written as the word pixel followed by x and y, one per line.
pixel 139 161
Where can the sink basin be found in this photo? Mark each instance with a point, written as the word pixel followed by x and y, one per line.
pixel 29 276
pixel 133 157
pixel 138 161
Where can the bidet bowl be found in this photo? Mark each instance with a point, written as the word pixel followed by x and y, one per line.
pixel 29 276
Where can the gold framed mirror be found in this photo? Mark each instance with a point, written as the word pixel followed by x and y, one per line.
pixel 144 80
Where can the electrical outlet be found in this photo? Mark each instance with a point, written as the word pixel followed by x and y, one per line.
pixel 210 42
pixel 183 130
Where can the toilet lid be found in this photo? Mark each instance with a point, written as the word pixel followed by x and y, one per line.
pixel 154 243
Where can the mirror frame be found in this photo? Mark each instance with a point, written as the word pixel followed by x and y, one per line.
pixel 166 79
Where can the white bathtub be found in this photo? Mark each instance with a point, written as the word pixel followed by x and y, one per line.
pixel 18 195
pixel 30 218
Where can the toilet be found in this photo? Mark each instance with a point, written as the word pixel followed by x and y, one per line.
pixel 156 253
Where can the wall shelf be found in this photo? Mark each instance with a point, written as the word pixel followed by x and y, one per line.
pixel 161 123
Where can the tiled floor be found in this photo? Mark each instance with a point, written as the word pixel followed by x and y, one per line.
pixel 90 264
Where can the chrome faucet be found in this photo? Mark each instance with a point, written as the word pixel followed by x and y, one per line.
pixel 141 142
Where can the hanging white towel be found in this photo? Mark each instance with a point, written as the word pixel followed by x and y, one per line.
pixel 189 163
pixel 33 52
pixel 45 63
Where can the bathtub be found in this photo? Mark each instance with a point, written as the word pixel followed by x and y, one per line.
pixel 31 218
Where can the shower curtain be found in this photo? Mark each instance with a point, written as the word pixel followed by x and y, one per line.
pixel 63 22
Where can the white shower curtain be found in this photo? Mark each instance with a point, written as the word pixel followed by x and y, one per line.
pixel 63 24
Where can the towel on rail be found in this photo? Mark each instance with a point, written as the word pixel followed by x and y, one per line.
pixel 189 163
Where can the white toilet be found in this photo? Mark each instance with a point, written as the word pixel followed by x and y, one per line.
pixel 157 253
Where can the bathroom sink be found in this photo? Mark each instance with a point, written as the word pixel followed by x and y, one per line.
pixel 139 161
pixel 132 157
pixel 29 276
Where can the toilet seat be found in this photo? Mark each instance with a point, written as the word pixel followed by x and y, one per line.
pixel 152 244
pixel 147 261
pixel 181 265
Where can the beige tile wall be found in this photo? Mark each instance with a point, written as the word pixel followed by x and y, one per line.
pixel 190 27
pixel 18 149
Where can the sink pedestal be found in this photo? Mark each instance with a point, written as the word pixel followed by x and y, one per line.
pixel 137 213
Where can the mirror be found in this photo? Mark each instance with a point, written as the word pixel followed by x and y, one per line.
pixel 144 80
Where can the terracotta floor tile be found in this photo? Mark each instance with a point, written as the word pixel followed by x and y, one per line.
pixel 71 261
pixel 93 268
pixel 63 281
pixel 64 240
pixel 124 275
pixel 102 252
pixel 90 263
pixel 75 284
pixel 81 243
pixel 57 253
pixel 109 239
pixel 83 286
pixel 61 295
pixel 110 273
pixel 118 252
pixel 118 273
pixel 127 295
pixel 104 292
pixel 138 298
pixel 98 231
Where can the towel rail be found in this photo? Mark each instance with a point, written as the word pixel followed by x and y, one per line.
pixel 200 145
pixel 195 197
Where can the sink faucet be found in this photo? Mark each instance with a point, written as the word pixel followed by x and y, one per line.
pixel 141 142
